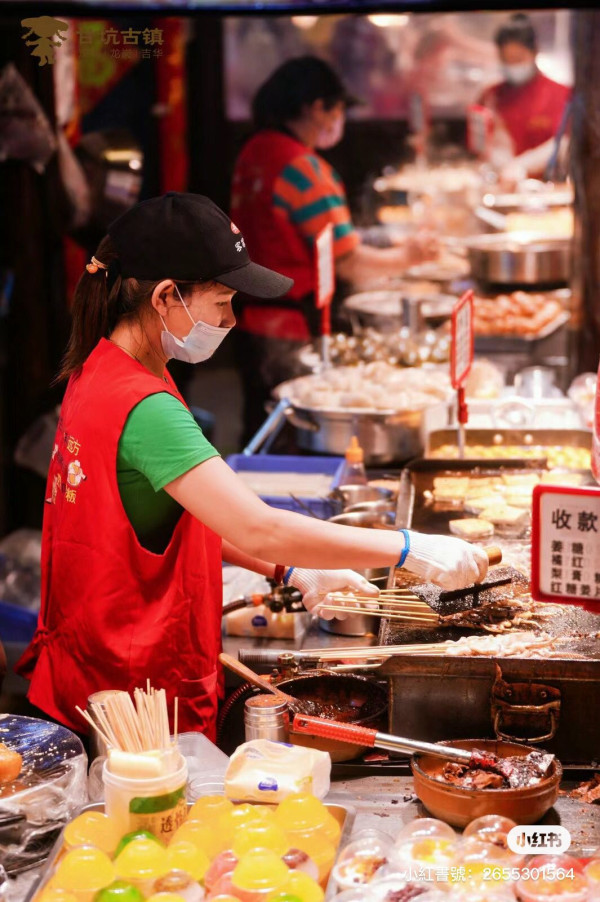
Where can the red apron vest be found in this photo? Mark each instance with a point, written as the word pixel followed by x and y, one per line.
pixel 271 240
pixel 114 614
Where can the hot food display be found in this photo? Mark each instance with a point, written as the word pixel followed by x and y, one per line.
pixel 396 347
pixel 370 387
pixel 520 313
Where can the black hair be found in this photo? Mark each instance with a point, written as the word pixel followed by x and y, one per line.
pixel 517 30
pixel 102 299
pixel 292 86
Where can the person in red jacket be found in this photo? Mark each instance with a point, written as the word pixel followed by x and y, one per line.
pixel 529 105
pixel 141 510
pixel 283 193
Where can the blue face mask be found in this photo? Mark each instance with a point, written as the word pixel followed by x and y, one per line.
pixel 199 344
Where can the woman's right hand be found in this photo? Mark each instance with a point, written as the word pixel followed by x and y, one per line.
pixel 448 562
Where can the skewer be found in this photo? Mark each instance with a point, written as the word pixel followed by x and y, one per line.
pixel 374 651
pixel 93 724
pixel 412 618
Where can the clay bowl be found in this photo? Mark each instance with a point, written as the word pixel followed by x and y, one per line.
pixel 458 807
pixel 368 698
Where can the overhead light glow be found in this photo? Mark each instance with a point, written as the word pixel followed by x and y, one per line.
pixel 305 22
pixel 383 20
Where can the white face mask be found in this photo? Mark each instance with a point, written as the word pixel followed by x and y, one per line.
pixel 331 134
pixel 199 344
pixel 518 73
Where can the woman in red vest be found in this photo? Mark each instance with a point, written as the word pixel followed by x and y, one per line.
pixel 530 105
pixel 283 193
pixel 141 510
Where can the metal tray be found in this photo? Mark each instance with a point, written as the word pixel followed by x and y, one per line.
pixel 507 344
pixel 345 816
pixel 578 438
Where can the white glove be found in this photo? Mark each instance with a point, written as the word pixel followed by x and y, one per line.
pixel 450 563
pixel 316 585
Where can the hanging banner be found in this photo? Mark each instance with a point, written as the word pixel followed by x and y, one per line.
pixel 565 545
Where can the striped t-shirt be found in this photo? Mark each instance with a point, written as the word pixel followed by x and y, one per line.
pixel 310 194
pixel 283 194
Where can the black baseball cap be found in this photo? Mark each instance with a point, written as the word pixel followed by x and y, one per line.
pixel 187 237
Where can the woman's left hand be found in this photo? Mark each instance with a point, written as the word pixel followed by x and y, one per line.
pixel 317 585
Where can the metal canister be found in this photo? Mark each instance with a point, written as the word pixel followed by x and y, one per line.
pixel 266 717
pixel 97 745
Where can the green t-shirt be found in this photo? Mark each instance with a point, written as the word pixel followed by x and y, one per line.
pixel 160 441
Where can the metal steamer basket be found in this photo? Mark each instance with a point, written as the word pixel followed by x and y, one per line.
pixel 385 436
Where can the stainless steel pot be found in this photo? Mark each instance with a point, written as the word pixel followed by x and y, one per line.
pixel 519 259
pixel 384 437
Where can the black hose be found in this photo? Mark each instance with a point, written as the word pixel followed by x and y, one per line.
pixel 236 606
pixel 246 689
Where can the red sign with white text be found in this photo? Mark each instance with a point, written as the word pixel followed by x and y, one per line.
pixel 462 345
pixel 565 545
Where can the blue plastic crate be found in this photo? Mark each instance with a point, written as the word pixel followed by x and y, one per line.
pixel 285 463
pixel 16 624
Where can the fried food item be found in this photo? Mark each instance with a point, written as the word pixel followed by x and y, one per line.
pixel 472 528
pixel 520 314
pixel 11 764
pixel 478 505
pixel 504 515
pixel 520 479
pixel 520 497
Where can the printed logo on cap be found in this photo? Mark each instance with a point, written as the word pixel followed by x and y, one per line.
pixel 234 229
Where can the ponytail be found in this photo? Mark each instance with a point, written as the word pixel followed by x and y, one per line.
pixel 102 299
pixel 91 310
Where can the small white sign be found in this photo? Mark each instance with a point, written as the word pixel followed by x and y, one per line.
pixel 325 266
pixel 566 544
pixel 536 840
pixel 416 114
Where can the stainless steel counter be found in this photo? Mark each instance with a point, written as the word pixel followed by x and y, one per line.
pixel 314 637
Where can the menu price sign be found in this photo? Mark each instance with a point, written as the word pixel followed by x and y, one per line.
pixel 462 346
pixel 325 283
pixel 480 127
pixel 418 120
pixel 565 545
pixel 461 359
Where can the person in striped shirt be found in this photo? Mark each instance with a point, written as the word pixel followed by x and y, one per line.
pixel 283 193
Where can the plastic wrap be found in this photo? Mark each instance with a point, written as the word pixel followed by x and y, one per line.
pixel 49 791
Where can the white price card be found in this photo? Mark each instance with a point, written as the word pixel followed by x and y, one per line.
pixel 325 266
pixel 462 344
pixel 417 115
pixel 565 545
pixel 480 125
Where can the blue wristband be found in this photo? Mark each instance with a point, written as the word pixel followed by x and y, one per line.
pixel 286 578
pixel 406 548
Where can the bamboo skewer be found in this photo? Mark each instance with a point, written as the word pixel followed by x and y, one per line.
pixel 134 725
pixel 407 618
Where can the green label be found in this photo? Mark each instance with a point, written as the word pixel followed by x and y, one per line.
pixel 154 804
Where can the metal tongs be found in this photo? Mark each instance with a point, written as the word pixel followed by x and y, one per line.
pixel 516 769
